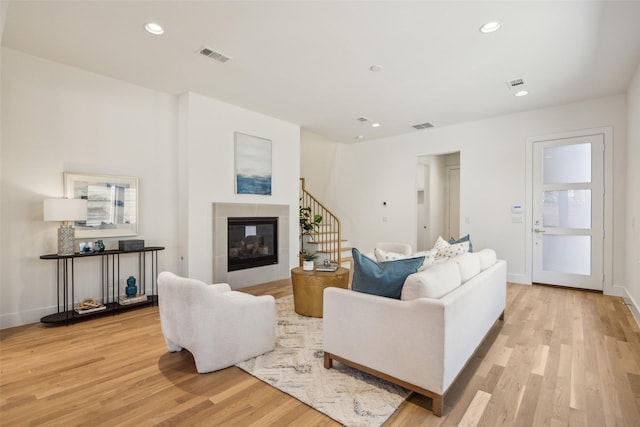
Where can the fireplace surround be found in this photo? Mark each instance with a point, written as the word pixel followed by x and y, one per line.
pixel 251 276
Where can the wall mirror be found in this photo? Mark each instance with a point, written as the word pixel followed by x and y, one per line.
pixel 112 204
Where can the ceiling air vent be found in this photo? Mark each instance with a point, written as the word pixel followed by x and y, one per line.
pixel 362 119
pixel 514 84
pixel 220 57
pixel 423 126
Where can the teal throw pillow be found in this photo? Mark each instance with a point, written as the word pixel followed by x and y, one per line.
pixel 385 278
pixel 466 238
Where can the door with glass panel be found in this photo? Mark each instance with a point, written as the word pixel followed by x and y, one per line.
pixel 568 212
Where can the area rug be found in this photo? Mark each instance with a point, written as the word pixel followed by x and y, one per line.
pixel 296 367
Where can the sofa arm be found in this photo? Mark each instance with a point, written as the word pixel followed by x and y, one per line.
pixel 403 339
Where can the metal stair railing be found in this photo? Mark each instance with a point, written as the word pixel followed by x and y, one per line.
pixel 329 237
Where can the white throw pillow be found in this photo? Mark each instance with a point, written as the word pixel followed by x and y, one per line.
pixel 382 256
pixel 447 250
pixel 429 258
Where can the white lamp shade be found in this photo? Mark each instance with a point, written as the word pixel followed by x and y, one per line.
pixel 65 210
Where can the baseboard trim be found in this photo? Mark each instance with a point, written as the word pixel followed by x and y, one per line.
pixel 631 303
pixel 27 317
pixel 518 278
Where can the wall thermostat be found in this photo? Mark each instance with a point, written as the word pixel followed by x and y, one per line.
pixel 517 209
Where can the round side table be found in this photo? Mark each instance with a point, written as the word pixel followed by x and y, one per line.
pixel 308 288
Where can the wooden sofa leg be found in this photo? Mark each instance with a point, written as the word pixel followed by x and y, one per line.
pixel 328 362
pixel 437 406
pixel 502 315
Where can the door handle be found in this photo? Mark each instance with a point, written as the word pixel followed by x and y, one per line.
pixel 536 230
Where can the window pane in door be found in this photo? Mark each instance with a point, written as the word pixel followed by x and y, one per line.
pixel 567 164
pixel 567 209
pixel 567 254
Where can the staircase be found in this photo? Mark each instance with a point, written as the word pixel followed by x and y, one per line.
pixel 327 243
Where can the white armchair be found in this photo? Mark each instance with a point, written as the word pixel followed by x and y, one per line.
pixel 220 327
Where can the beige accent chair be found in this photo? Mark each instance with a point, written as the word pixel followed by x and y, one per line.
pixel 220 327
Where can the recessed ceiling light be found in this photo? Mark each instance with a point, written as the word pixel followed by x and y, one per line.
pixel 375 125
pixel 376 68
pixel 489 27
pixel 154 28
pixel 522 93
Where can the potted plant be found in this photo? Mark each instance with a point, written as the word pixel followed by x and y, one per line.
pixel 308 225
pixel 307 260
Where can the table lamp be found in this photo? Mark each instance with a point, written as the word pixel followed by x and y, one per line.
pixel 67 211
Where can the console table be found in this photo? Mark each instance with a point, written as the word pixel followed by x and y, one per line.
pixel 110 280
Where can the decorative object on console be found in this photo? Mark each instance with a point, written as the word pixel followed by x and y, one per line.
pixel 99 246
pixel 130 245
pixel 131 289
pixel 85 247
pixel 137 298
pixel 67 211
pixel 89 305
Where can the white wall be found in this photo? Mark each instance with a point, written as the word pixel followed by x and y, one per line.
pixel 632 222
pixel 319 161
pixel 206 165
pixel 56 118
pixel 492 163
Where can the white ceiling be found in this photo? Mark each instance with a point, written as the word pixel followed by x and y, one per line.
pixel 307 62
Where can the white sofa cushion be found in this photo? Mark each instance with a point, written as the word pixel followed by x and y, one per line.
pixel 487 258
pixel 437 281
pixel 469 264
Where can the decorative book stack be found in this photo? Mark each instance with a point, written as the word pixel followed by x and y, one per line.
pixel 86 310
pixel 124 300
pixel 327 267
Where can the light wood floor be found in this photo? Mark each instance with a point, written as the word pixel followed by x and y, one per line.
pixel 562 357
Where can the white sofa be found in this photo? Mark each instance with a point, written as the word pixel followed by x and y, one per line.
pixel 425 339
pixel 220 327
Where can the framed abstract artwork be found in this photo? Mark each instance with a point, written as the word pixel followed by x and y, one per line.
pixel 252 165
pixel 112 204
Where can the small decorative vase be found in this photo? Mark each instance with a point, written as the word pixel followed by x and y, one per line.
pixel 131 289
pixel 99 246
pixel 307 265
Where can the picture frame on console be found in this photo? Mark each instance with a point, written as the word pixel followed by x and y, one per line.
pixel 112 204
pixel 252 164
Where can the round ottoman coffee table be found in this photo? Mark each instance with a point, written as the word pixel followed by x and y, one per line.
pixel 309 286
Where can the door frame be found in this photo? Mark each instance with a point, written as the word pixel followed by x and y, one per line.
pixel 607 133
pixel 447 208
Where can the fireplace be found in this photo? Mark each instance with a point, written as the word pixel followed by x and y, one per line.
pixel 251 242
